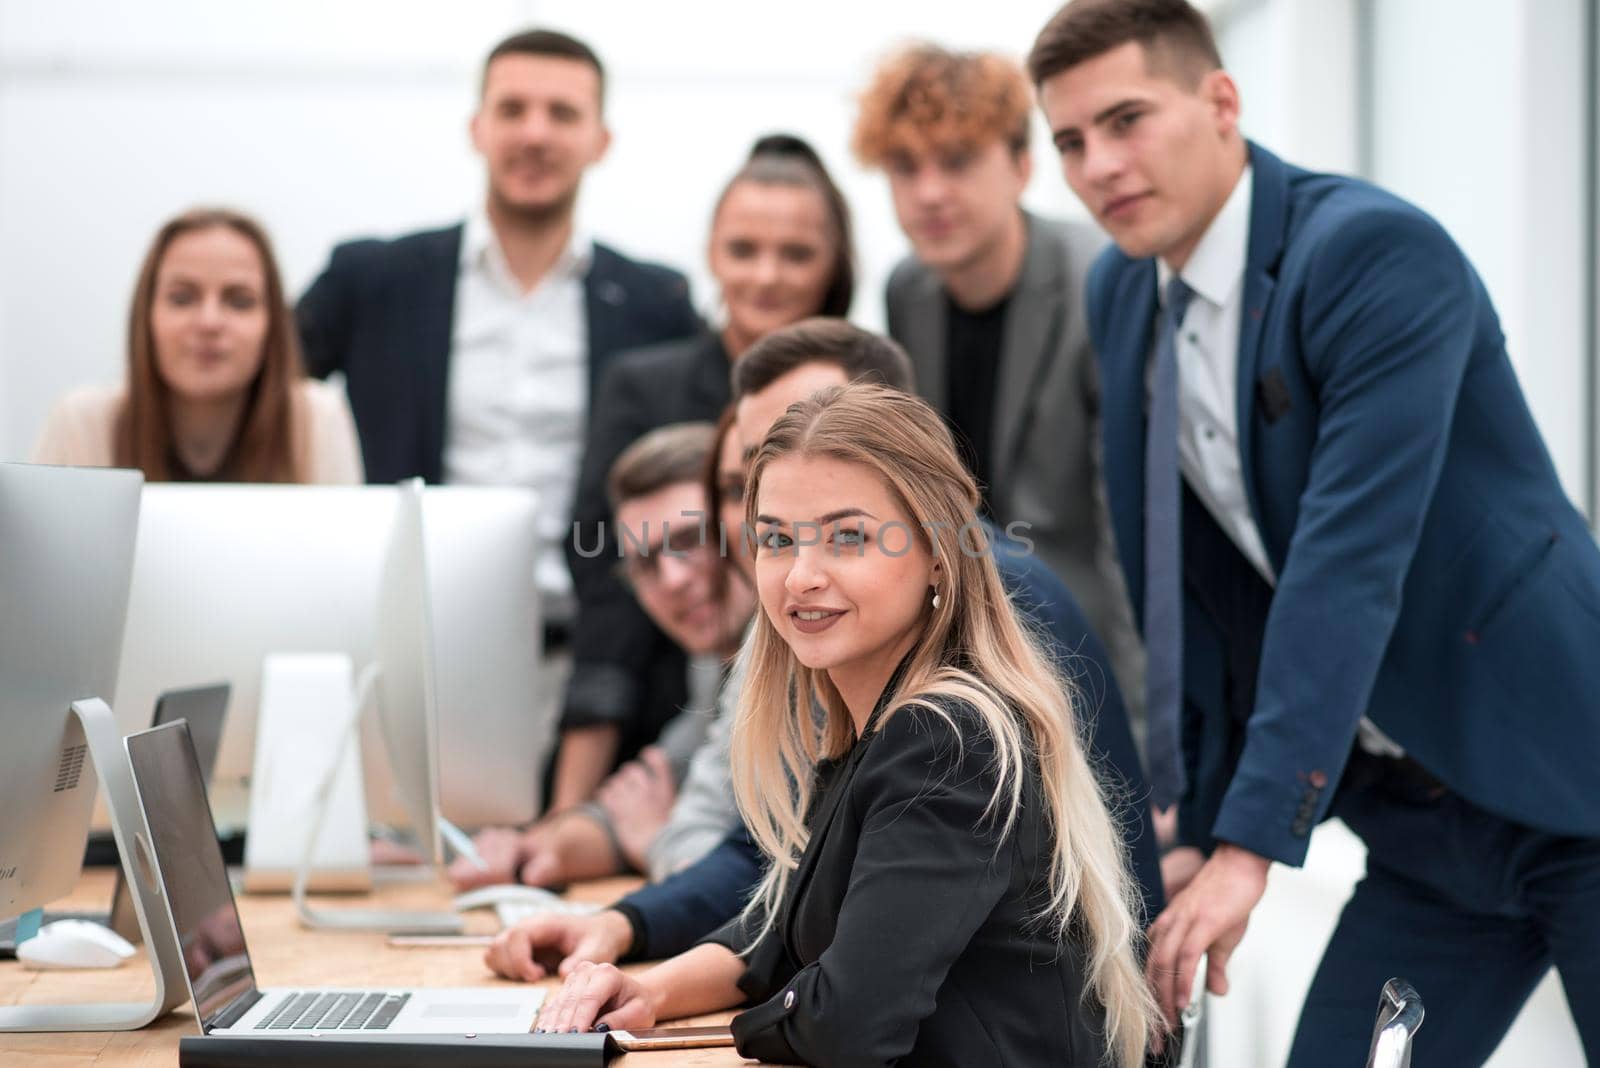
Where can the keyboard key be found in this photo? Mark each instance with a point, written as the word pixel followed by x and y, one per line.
pixel 387 1012
pixel 287 1018
pixel 313 1019
pixel 358 1019
pixel 340 1010
pixel 288 999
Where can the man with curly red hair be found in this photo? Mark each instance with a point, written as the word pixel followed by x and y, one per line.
pixel 990 307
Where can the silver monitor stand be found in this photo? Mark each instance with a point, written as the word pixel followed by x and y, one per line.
pixel 402 679
pixel 359 919
pixel 110 758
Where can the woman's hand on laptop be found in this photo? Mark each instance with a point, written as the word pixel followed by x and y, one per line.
pixel 598 994
pixel 551 944
pixel 638 798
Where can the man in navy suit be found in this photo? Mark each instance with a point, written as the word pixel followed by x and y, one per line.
pixel 472 353
pixel 1330 497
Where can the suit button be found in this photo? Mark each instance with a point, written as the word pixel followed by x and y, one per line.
pixel 788 1001
pixel 1302 827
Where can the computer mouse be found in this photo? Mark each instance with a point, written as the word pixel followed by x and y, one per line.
pixel 74 944
pixel 509 894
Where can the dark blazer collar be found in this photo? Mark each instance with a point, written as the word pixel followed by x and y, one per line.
pixel 1269 210
pixel 433 306
pixel 711 369
pixel 884 698
pixel 1269 227
pixel 837 780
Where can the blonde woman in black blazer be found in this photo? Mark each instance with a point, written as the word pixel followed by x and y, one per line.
pixel 946 886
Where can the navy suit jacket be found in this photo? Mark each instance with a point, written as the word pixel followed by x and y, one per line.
pixel 1431 573
pixel 382 312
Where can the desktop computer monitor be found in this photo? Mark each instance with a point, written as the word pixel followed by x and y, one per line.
pixel 405 696
pixel 66 553
pixel 226 575
pixel 487 633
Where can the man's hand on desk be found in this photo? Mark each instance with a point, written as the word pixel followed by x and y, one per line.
pixel 504 852
pixel 638 797
pixel 550 944
pixel 565 847
pixel 1208 916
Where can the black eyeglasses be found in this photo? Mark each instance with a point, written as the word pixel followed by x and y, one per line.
pixel 641 565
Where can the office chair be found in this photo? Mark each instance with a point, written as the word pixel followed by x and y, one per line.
pixel 1399 1018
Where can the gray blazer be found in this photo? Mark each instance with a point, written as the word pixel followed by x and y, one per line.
pixel 1046 461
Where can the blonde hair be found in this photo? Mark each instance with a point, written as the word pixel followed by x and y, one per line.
pixel 971 649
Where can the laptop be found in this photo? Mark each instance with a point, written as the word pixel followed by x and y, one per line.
pixel 205 707
pixel 217 967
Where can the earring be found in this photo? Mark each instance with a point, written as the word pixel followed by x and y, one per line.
pixel 935 600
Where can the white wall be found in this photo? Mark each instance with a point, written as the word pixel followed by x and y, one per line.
pixel 1478 118
pixel 331 120
pixel 1484 128
pixel 1296 66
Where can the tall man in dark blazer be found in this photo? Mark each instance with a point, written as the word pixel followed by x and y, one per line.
pixel 1331 498
pixel 472 353
pixel 989 306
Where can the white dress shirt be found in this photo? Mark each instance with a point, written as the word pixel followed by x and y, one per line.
pixel 1208 389
pixel 519 388
pixel 1208 373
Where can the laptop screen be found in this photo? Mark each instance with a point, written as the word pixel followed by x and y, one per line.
pixel 216 961
pixel 205 708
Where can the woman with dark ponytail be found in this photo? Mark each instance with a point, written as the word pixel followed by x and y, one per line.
pixel 780 250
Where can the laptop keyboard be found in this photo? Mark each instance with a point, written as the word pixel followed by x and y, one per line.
pixel 331 1011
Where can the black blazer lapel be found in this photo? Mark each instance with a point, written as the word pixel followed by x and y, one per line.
pixel 605 302
pixel 835 790
pixel 710 387
pixel 836 786
pixel 432 316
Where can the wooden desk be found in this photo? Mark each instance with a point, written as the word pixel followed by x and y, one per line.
pixel 284 954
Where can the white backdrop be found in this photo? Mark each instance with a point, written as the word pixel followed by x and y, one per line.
pixel 335 119
pixel 332 120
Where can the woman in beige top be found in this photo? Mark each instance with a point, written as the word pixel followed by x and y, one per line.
pixel 215 391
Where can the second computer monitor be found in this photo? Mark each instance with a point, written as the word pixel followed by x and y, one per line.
pixel 225 575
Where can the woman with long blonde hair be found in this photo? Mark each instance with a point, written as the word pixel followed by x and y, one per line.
pixel 946 885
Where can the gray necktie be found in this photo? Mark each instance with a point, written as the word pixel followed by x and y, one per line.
pixel 1163 563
